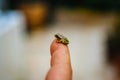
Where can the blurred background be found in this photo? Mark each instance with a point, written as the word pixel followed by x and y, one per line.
pixel 27 28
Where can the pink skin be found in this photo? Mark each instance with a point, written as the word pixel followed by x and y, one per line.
pixel 60 62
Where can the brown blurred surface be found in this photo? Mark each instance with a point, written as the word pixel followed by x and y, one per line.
pixel 84 16
pixel 35 14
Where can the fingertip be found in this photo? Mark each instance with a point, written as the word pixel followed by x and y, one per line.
pixel 57 46
pixel 59 53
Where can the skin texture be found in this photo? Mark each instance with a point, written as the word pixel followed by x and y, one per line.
pixel 60 62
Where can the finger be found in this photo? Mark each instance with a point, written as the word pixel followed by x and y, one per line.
pixel 60 62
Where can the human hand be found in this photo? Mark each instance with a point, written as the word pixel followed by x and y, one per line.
pixel 60 62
